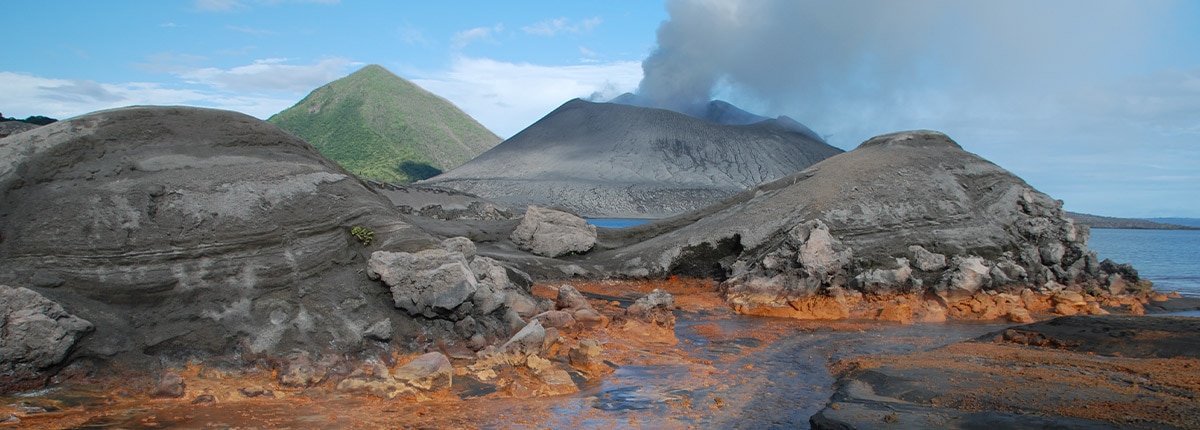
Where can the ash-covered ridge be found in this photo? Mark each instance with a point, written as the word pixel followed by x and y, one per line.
pixel 616 160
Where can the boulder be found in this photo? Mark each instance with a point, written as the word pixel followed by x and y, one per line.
pixel 965 278
pixel 656 308
pixel 300 371
pixel 35 334
pixel 556 319
pixel 586 355
pixel 460 245
pixel 552 233
pixel 428 372
pixel 927 261
pixel 571 299
pixel 427 283
pixel 525 343
pixel 170 385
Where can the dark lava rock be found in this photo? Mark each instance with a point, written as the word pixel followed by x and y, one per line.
pixel 35 335
pixel 196 233
pixel 613 160
pixel 1124 336
pixel 1088 372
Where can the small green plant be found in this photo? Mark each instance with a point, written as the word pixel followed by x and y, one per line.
pixel 362 234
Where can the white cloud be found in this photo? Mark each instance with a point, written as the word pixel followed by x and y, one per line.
pixel 507 97
pixel 552 27
pixel 269 75
pixel 477 34
pixel 260 89
pixel 65 98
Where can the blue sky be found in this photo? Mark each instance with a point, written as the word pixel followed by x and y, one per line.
pixel 1096 103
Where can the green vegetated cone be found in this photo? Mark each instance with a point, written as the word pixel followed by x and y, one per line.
pixel 383 127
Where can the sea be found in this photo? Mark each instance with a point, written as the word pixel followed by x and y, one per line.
pixel 1169 258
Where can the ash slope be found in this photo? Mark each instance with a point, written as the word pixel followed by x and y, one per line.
pixel 185 232
pixel 892 192
pixel 613 160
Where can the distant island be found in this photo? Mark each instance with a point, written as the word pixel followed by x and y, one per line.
pixel 1096 221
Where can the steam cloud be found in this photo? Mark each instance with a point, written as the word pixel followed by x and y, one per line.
pixel 838 65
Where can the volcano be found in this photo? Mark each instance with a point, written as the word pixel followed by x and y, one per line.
pixel 622 161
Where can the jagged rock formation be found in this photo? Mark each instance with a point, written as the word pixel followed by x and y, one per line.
pixel 908 212
pixel 613 160
pixel 35 335
pixel 383 127
pixel 185 232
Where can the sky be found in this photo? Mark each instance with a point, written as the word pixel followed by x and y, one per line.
pixel 1096 102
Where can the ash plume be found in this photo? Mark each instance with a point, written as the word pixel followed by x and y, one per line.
pixel 838 65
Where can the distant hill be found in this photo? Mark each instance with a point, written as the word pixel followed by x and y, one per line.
pixel 11 126
pixel 1186 222
pixel 1096 221
pixel 620 161
pixel 383 127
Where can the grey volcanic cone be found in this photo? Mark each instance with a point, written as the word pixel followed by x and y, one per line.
pixel 891 193
pixel 182 232
pixel 614 160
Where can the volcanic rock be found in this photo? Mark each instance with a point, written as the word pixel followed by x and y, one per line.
pixel 553 233
pixel 656 308
pixel 429 372
pixel 571 299
pixel 427 283
pixel 35 334
pixel 170 385
pixel 861 211
pixel 525 343
pixel 9 128
pixel 587 354
pixel 988 382
pixel 613 160
pixel 195 233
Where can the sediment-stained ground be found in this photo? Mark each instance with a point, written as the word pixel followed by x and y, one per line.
pixel 716 369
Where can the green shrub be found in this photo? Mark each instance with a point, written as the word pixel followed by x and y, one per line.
pixel 362 234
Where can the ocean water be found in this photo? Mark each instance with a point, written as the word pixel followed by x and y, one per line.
pixel 1169 258
pixel 617 222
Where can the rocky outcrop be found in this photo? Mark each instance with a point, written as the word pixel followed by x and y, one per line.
pixel 903 213
pixel 186 233
pixel 35 334
pixel 618 161
pixel 427 372
pixel 553 233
